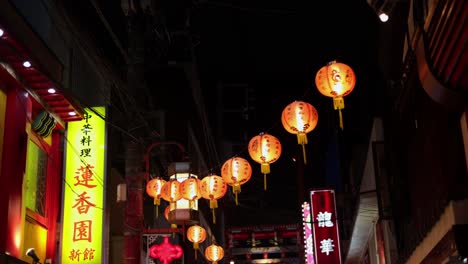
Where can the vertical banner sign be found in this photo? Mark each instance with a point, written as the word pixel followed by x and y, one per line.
pixel 83 201
pixel 308 239
pixel 325 227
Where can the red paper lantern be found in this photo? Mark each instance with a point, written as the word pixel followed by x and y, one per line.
pixel 196 234
pixel 214 253
pixel 171 192
pixel 300 118
pixel 190 190
pixel 153 189
pixel 235 172
pixel 212 188
pixel 265 149
pixel 336 80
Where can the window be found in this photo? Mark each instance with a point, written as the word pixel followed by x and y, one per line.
pixel 35 178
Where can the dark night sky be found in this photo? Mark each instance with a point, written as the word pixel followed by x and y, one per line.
pixel 277 47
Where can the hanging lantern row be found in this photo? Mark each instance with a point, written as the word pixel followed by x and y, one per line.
pixel 210 187
pixel 334 80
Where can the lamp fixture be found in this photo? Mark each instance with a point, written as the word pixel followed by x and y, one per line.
pixel 383 17
pixel 27 64
pixel 1 32
pixel 32 253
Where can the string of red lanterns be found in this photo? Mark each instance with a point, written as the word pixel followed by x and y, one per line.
pixel 334 80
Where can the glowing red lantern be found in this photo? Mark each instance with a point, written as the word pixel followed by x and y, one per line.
pixel 214 253
pixel 196 234
pixel 235 172
pixel 212 188
pixel 336 80
pixel 265 149
pixel 165 252
pixel 190 190
pixel 300 118
pixel 171 192
pixel 153 189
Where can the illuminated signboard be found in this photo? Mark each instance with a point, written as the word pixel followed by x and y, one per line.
pixel 325 227
pixel 83 200
pixel 308 238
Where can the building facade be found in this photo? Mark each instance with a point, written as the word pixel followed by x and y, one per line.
pixel 52 75
pixel 411 197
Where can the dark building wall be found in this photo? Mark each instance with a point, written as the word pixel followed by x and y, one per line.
pixel 428 168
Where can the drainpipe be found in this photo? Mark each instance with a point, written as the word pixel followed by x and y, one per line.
pixel 134 205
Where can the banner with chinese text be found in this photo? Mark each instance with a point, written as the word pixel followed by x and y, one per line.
pixel 325 227
pixel 83 198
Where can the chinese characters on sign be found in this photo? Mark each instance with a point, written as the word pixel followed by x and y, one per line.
pixel 325 227
pixel 84 190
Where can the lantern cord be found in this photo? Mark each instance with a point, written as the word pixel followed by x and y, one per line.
pixel 237 203
pixel 214 215
pixel 157 211
pixel 304 153
pixel 264 182
pixel 195 254
pixel 341 118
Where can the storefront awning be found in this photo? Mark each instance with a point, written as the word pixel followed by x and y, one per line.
pixel 15 58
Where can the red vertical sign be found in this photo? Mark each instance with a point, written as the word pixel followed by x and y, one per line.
pixel 325 227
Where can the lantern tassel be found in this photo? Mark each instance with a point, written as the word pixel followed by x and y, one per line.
pixel 157 202
pixel 302 140
pixel 265 168
pixel 236 189
pixel 264 182
pixel 338 104
pixel 304 153
pixel 213 205
pixel 214 215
